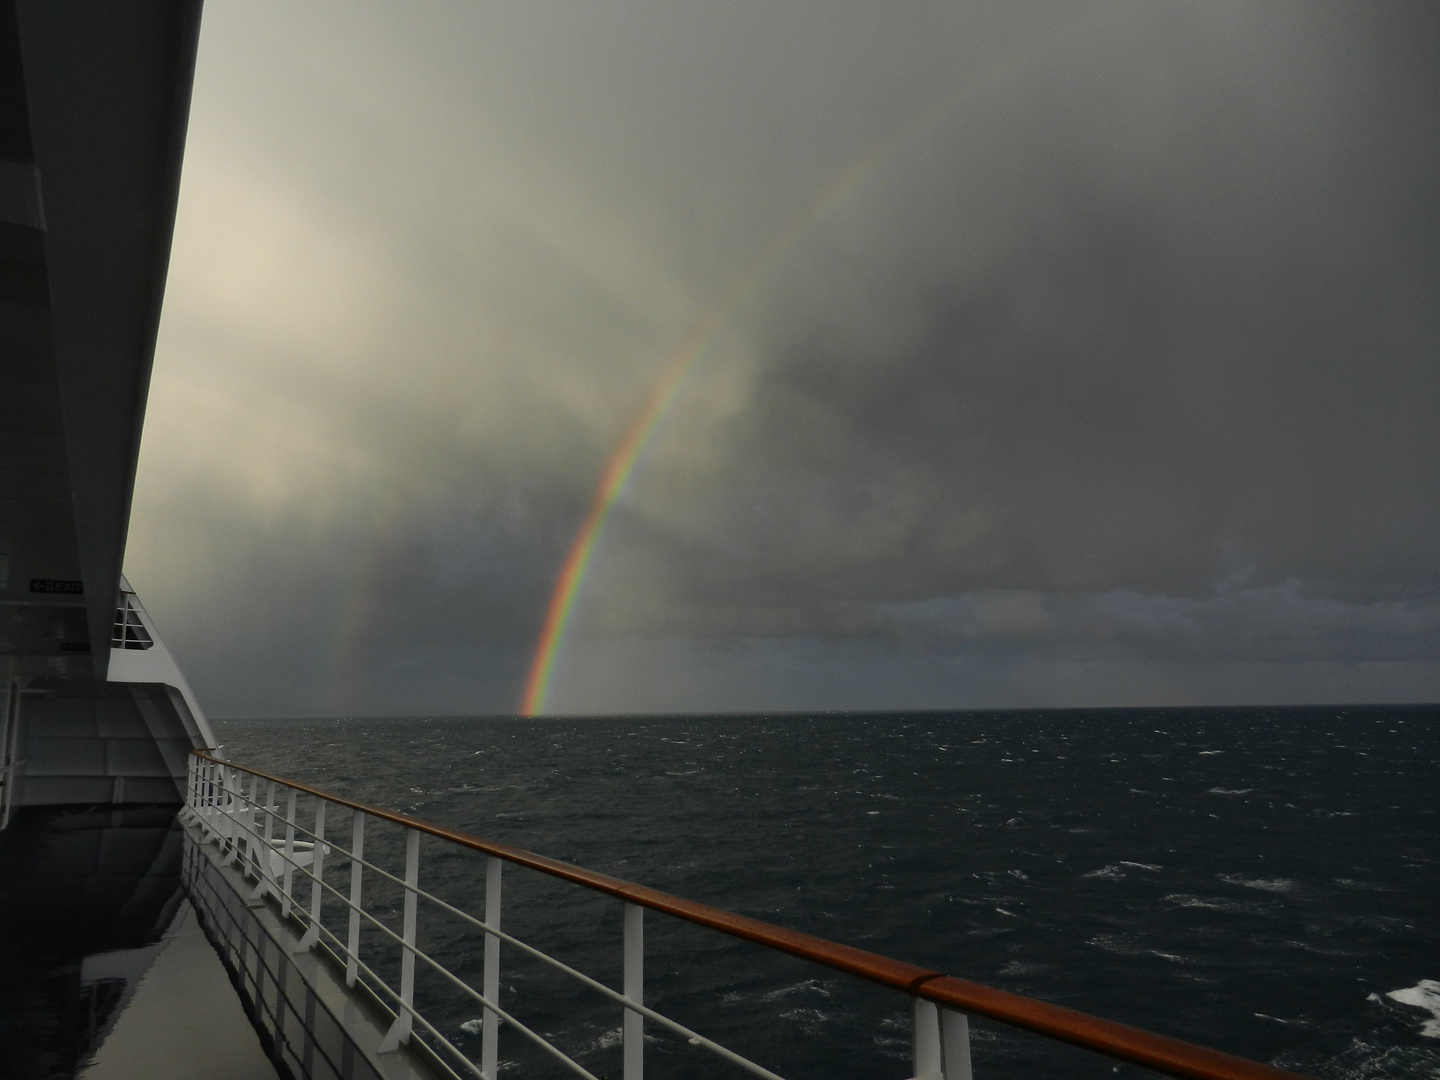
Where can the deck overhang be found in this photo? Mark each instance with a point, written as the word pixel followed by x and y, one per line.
pixel 96 98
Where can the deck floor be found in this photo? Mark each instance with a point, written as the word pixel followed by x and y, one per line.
pixel 185 1021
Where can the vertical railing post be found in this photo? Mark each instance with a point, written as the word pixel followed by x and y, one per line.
pixel 955 1044
pixel 399 1032
pixel 633 987
pixel 231 804
pixel 217 804
pixel 251 811
pixel 261 847
pixel 317 878
pixel 357 852
pixel 490 986
pixel 925 1040
pixel 285 902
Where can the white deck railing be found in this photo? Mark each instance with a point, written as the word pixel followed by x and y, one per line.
pixel 260 831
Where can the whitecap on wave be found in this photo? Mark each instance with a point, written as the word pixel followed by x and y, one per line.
pixel 1211 903
pixel 808 986
pixel 1122 945
pixel 608 1039
pixel 1280 885
pixel 809 1021
pixel 1113 871
pixel 1423 995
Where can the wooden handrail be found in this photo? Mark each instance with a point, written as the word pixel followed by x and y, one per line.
pixel 1119 1042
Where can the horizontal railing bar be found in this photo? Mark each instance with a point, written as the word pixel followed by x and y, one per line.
pixel 1174 1057
pixel 1119 1042
pixel 533 1036
pixel 620 999
pixel 376 981
pixel 893 973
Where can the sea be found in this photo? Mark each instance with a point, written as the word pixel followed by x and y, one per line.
pixel 1265 881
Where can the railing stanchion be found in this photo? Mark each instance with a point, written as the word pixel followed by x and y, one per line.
pixel 955 1044
pixel 399 1033
pixel 231 787
pixel 633 987
pixel 490 986
pixel 317 877
pixel 217 805
pixel 215 802
pixel 289 875
pixel 251 811
pixel 925 1040
pixel 261 847
pixel 357 850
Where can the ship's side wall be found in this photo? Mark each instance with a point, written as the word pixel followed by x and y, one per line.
pixel 99 743
pixel 125 740
pixel 93 105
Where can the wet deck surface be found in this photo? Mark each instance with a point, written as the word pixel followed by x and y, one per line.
pixel 97 942
pixel 184 1022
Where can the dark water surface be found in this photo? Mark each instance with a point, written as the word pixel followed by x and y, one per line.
pixel 1257 880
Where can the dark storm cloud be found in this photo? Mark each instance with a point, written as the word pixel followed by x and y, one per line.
pixel 1114 382
pixel 1275 623
pixel 1202 358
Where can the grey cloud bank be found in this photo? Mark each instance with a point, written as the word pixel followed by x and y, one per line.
pixel 1114 382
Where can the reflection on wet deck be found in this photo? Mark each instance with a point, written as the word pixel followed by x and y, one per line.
pixel 100 953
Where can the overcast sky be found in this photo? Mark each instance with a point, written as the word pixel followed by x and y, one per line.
pixel 1093 357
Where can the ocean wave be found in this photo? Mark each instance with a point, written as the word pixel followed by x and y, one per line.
pixel 1113 871
pixel 809 1021
pixel 1297 1022
pixel 1275 885
pixel 1024 967
pixel 607 1039
pixel 807 986
pixel 1123 946
pixel 1211 903
pixel 1423 995
pixel 1366 1060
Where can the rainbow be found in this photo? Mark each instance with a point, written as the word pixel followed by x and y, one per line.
pixel 619 468
pixel 621 464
